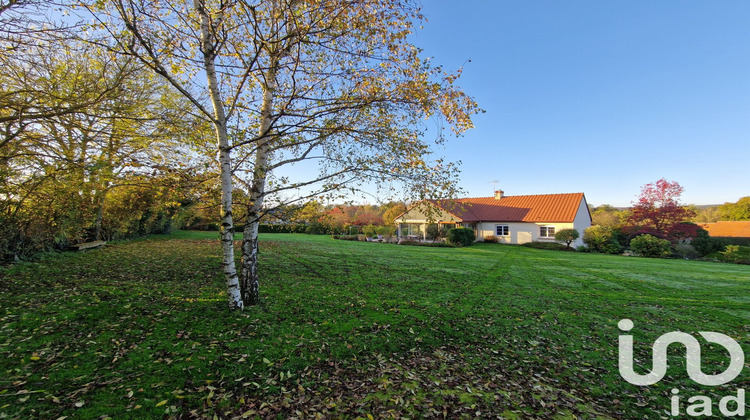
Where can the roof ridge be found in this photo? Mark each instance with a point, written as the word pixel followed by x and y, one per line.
pixel 521 195
pixel 530 208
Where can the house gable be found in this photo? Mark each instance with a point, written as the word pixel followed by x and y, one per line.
pixel 427 211
pixel 583 215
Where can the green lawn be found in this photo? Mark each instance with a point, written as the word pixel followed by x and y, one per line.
pixel 349 329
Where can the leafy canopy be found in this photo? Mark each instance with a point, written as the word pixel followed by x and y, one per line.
pixel 567 236
pixel 736 211
pixel 659 212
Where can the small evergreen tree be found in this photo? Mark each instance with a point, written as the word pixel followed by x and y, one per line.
pixel 568 236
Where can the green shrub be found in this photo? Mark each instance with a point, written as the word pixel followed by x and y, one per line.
pixel 369 231
pixel 317 228
pixel 461 236
pixel 546 245
pixel 620 237
pixel 286 228
pixel 704 244
pixel 686 251
pixel 568 236
pixel 601 239
pixel 212 227
pixel 427 244
pixel 346 237
pixel 582 248
pixel 21 240
pixel 736 254
pixel 724 241
pixel 432 231
pixel 385 230
pixel 651 246
pixel 491 239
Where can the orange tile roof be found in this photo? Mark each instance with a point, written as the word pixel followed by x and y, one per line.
pixel 561 208
pixel 740 229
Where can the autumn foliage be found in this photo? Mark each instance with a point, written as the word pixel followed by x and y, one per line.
pixel 658 212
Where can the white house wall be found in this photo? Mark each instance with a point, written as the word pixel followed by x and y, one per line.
pixel 519 233
pixel 581 222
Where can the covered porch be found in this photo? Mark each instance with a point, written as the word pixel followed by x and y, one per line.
pixel 418 230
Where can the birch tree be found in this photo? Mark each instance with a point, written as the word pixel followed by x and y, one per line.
pixel 333 82
pixel 340 84
pixel 178 41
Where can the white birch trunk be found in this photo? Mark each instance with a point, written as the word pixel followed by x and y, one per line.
pixel 249 274
pixel 220 125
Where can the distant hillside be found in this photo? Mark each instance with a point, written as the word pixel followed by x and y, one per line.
pixel 698 206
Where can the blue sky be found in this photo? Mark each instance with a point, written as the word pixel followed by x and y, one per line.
pixel 600 96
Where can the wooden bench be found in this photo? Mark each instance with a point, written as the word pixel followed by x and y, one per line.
pixel 88 245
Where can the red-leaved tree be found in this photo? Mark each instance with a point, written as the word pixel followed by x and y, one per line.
pixel 659 212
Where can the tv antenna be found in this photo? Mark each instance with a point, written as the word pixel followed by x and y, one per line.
pixel 494 185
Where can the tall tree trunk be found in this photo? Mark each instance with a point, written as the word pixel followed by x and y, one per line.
pixel 225 159
pixel 249 280
pixel 99 198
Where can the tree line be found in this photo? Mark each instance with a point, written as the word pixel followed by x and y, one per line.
pixel 609 216
pixel 660 225
pixel 92 146
pixel 117 115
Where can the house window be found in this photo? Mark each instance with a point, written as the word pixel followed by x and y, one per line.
pixel 546 231
pixel 408 229
pixel 502 230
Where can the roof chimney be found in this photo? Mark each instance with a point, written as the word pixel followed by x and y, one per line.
pixel 499 194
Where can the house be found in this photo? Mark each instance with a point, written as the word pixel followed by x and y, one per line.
pixel 512 219
pixel 733 229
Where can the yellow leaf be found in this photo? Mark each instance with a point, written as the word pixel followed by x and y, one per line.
pixel 161 403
